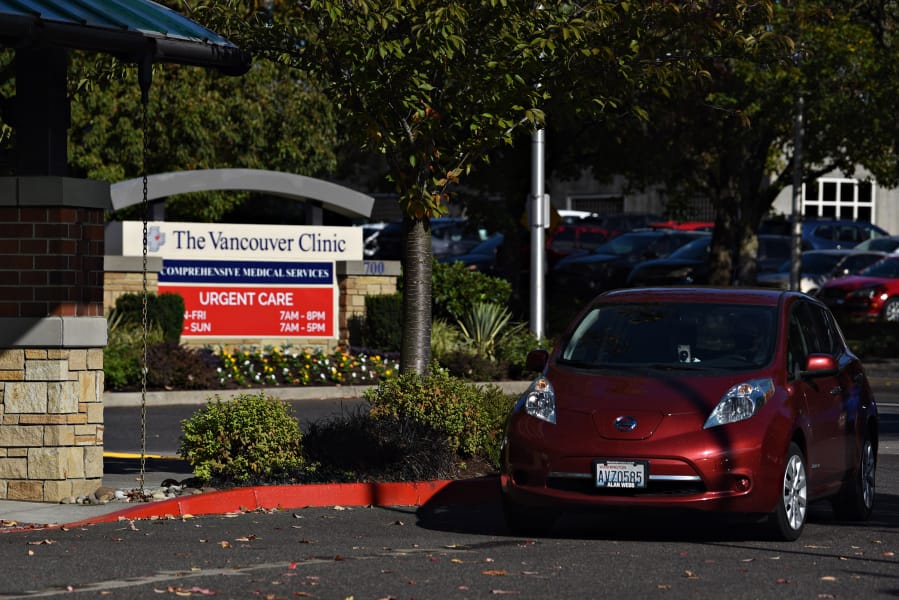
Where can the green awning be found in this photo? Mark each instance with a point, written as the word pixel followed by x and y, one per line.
pixel 130 29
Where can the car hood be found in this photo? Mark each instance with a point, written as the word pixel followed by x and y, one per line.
pixel 852 282
pixel 643 397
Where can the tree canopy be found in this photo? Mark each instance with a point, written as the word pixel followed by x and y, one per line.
pixel 434 86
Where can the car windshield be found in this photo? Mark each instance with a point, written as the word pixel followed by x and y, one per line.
pixel 627 244
pixel 676 336
pixel 695 250
pixel 888 267
pixel 883 244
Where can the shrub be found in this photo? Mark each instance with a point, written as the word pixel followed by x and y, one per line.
pixel 513 352
pixel 357 447
pixel 485 325
pixel 445 338
pixel 469 365
pixel 446 403
pixel 496 405
pixel 164 311
pixel 123 354
pixel 383 325
pixel 455 289
pixel 173 366
pixel 252 438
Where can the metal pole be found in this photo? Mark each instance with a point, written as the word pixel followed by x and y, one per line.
pixel 537 223
pixel 796 232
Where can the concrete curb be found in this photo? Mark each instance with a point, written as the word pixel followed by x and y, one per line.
pixel 324 392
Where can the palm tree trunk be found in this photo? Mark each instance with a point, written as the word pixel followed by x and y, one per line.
pixel 415 355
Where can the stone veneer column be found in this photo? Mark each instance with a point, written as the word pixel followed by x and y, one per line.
pixel 361 278
pixel 52 335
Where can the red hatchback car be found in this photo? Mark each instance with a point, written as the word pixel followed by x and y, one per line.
pixel 717 399
pixel 872 294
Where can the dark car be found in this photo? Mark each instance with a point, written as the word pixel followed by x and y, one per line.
pixel 887 244
pixel 818 266
pixel 872 294
pixel 608 266
pixel 732 400
pixel 481 257
pixel 827 233
pixel 449 236
pixel 690 264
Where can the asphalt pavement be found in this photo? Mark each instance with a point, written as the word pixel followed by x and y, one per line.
pixel 147 472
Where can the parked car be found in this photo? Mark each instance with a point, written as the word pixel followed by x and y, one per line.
pixel 449 236
pixel 889 243
pixel 608 266
pixel 818 266
pixel 827 233
pixel 480 258
pixel 871 294
pixel 573 238
pixel 689 264
pixel 734 400
pixel 685 225
pixel 618 223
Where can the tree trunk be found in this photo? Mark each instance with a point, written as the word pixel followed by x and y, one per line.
pixel 721 258
pixel 415 355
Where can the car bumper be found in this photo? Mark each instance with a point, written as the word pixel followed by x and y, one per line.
pixel 701 471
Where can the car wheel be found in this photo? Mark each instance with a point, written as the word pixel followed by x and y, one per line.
pixel 856 500
pixel 788 519
pixel 891 310
pixel 526 520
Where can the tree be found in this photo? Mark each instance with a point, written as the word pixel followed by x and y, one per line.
pixel 730 138
pixel 271 118
pixel 434 86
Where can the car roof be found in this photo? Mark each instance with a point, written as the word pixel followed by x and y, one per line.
pixel 698 294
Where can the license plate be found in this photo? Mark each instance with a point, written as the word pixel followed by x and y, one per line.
pixel 620 474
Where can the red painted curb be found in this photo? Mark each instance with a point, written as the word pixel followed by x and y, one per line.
pixel 441 492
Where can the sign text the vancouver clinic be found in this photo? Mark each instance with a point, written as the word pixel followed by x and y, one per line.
pixel 246 280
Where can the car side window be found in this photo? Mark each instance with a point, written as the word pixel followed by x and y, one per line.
pixel 797 350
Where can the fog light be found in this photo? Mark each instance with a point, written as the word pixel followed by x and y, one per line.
pixel 742 483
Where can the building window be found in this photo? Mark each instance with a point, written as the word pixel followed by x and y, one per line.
pixel 837 198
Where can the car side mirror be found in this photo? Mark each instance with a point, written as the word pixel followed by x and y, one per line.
pixel 536 360
pixel 820 365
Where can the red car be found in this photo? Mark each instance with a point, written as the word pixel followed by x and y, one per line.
pixel 873 293
pixel 716 399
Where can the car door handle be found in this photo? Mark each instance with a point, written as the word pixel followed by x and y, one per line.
pixel 836 391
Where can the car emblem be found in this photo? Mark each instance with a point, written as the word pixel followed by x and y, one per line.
pixel 625 423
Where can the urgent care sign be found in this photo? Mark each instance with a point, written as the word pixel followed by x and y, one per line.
pixel 246 280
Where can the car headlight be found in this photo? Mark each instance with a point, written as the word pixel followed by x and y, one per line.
pixel 540 400
pixel 865 293
pixel 741 402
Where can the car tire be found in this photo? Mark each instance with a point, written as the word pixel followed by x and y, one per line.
pixel 788 519
pixel 527 520
pixel 891 310
pixel 855 501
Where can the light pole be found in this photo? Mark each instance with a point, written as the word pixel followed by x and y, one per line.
pixel 537 223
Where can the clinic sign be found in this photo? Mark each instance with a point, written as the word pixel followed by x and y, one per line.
pixel 246 280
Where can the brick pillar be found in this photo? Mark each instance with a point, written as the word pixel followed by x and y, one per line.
pixel 358 279
pixel 52 335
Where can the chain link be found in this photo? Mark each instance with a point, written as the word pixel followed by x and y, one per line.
pixel 145 209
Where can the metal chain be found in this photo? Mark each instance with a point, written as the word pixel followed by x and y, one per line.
pixel 143 315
